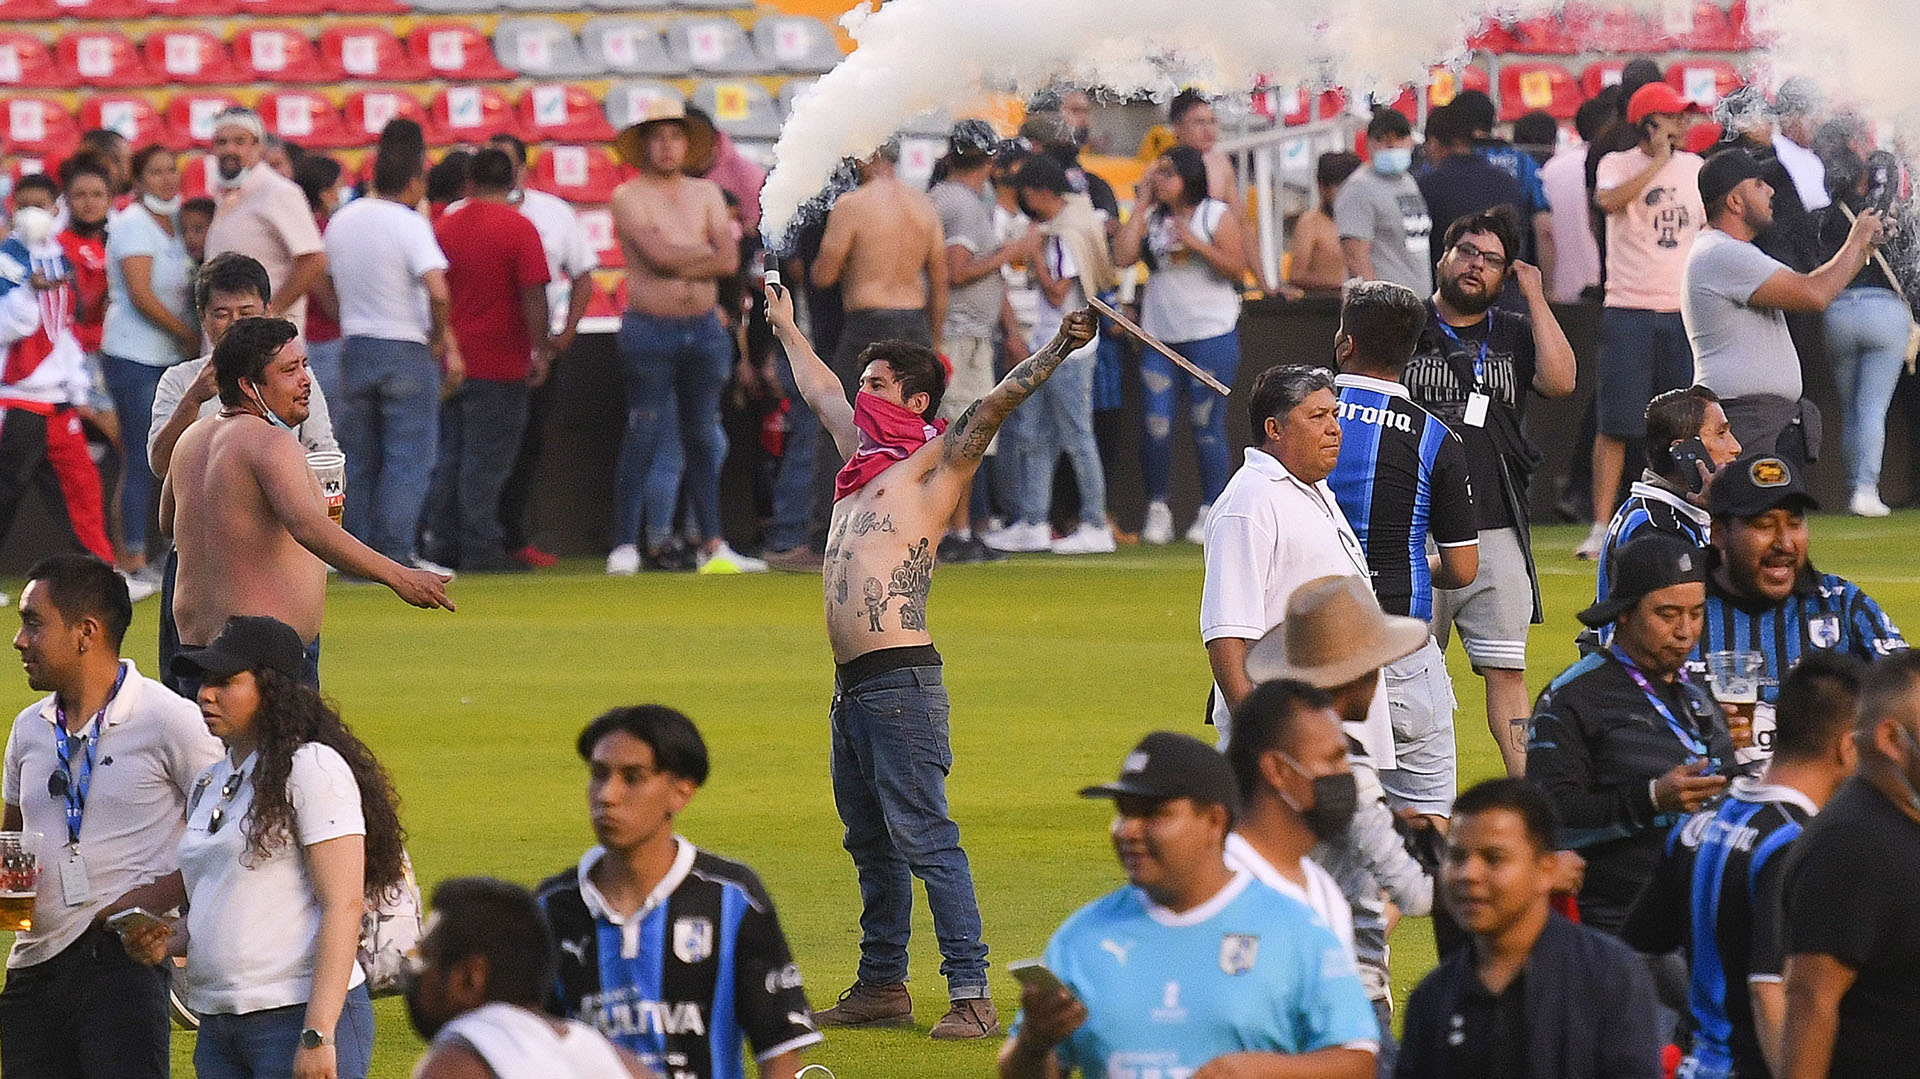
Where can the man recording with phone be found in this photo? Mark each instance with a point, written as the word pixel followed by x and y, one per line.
pixel 1688 441
pixel 1193 968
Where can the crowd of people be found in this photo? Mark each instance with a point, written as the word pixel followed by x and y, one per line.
pixel 1688 811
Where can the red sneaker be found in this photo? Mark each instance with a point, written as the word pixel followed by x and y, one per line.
pixel 535 557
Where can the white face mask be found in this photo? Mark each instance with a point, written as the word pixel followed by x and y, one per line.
pixel 162 207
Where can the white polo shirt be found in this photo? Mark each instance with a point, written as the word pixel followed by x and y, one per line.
pixel 1269 533
pixel 1322 894
pixel 253 922
pixel 152 743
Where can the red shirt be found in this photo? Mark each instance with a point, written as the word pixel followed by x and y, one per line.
pixel 320 328
pixel 88 257
pixel 493 256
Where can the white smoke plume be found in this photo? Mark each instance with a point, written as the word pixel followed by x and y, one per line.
pixel 915 56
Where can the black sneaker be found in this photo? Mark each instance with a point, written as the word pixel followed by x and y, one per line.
pixel 953 551
pixel 673 558
pixel 980 552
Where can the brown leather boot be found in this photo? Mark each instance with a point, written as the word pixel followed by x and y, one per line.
pixel 865 1005
pixel 975 1018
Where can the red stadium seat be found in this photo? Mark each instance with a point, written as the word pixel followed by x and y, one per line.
pixel 1610 28
pixel 1704 82
pixel 1543 36
pixel 307 118
pixel 1493 37
pixel 102 58
pixel 186 55
pixel 1525 87
pixel 40 126
pixel 556 112
pixel 190 116
pixel 191 9
pixel 282 7
pixel 199 175
pixel 132 115
pixel 455 51
pixel 470 114
pixel 1444 84
pixel 366 51
pixel 26 61
pixel 367 7
pixel 369 111
pixel 1300 107
pixel 273 54
pixel 597 223
pixel 609 299
pixel 95 9
pixel 13 11
pixel 1601 74
pixel 580 174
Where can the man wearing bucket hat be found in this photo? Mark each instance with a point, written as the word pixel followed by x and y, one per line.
pixel 1766 604
pixel 674 353
pixel 1229 971
pixel 1337 639
pixel 1623 742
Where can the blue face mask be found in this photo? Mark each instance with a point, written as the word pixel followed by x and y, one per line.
pixel 1393 161
pixel 270 415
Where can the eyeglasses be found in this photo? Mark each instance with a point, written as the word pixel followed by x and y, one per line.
pixel 227 791
pixel 1467 252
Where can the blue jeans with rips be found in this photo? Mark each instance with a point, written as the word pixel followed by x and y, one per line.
pixel 388 425
pixel 890 758
pixel 675 369
pixel 1165 385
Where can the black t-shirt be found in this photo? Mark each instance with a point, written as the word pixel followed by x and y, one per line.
pixel 1464 184
pixel 1853 892
pixel 1442 388
pixel 1492 1031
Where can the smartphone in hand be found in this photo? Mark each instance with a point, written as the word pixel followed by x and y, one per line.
pixel 1033 973
pixel 136 920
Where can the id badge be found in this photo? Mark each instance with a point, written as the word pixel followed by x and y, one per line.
pixel 1477 409
pixel 74 888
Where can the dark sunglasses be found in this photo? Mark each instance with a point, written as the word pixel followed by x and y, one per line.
pixel 227 791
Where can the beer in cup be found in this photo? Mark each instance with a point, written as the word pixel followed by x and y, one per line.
pixel 330 468
pixel 19 880
pixel 1735 678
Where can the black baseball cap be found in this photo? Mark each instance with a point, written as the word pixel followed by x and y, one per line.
pixel 972 140
pixel 1755 485
pixel 1725 171
pixel 1167 765
pixel 1654 561
pixel 248 642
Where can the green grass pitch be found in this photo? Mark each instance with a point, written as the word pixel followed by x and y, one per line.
pixel 1056 666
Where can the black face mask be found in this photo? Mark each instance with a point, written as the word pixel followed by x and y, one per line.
pixel 1336 798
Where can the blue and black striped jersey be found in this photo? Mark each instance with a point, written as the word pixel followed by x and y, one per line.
pixel 1401 477
pixel 1823 613
pixel 1717 893
pixel 1649 505
pixel 702 967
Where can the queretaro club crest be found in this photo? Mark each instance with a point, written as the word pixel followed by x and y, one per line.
pixel 1238 952
pixel 692 939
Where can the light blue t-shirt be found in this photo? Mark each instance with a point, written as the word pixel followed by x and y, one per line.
pixel 1250 970
pixel 128 334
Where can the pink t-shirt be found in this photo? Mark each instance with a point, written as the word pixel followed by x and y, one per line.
pixel 269 219
pixel 1648 242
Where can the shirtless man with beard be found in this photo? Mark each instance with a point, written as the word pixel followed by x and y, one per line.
pixel 890 750
pixel 245 511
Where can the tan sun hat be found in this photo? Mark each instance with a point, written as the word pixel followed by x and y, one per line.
pixel 666 110
pixel 1334 632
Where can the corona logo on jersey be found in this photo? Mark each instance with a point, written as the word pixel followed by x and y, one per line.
pixel 1378 417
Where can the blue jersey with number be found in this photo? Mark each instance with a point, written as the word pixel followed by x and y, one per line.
pixel 1250 970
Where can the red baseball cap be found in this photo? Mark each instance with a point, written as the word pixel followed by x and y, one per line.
pixel 1657 97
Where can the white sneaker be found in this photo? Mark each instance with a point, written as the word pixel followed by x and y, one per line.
pixel 1087 539
pixel 623 561
pixel 432 567
pixel 1197 532
pixel 1020 538
pixel 138 589
pixel 726 560
pixel 1591 547
pixel 1866 503
pixel 1158 530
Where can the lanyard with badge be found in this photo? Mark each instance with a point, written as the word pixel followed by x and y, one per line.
pixel 1688 738
pixel 1477 398
pixel 71 785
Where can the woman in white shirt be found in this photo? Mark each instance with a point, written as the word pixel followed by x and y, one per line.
pixel 286 836
pixel 1197 253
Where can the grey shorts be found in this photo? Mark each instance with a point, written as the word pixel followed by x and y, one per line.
pixel 1420 706
pixel 972 360
pixel 1642 355
pixel 1493 613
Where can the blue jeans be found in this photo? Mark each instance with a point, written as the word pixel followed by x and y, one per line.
pixel 323 361
pixel 675 369
pixel 260 1045
pixel 1164 384
pixel 480 429
pixel 1063 421
pixel 890 758
pixel 793 486
pixel 388 424
pixel 1867 341
pixel 131 385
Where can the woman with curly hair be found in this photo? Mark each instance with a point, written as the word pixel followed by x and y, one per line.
pixel 286 836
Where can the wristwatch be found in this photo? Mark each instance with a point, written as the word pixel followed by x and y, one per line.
pixel 313 1039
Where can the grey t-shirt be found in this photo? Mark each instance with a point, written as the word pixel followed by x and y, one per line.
pixel 973 309
pixel 315 432
pixel 1738 349
pixel 1388 212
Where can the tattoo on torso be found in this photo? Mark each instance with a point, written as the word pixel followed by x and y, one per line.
pixel 868 521
pixel 911 582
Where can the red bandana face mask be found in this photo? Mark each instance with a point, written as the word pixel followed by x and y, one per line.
pixel 889 434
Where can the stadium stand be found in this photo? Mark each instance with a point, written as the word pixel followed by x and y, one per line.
pixel 470 114
pixel 541 48
pixel 455 51
pixel 187 55
pixel 711 45
pixel 795 44
pixel 623 45
pixel 579 174
pixel 367 112
pixel 370 52
pixel 741 108
pixel 133 116
pixel 305 117
pixel 101 58
pixel 26 61
pixel 190 117
pixel 273 54
pixel 556 112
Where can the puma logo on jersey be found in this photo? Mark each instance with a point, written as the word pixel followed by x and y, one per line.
pixel 575 948
pixel 1118 952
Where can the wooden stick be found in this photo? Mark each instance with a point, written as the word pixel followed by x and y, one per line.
pixel 1126 324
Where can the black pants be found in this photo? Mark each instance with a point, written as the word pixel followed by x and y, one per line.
pixel 516 501
pixel 88 1013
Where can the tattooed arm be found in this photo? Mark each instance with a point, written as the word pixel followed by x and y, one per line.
pixel 966 441
pixel 817 382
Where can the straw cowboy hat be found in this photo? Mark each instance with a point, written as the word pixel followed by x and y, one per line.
pixel 1334 632
pixel 631 143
